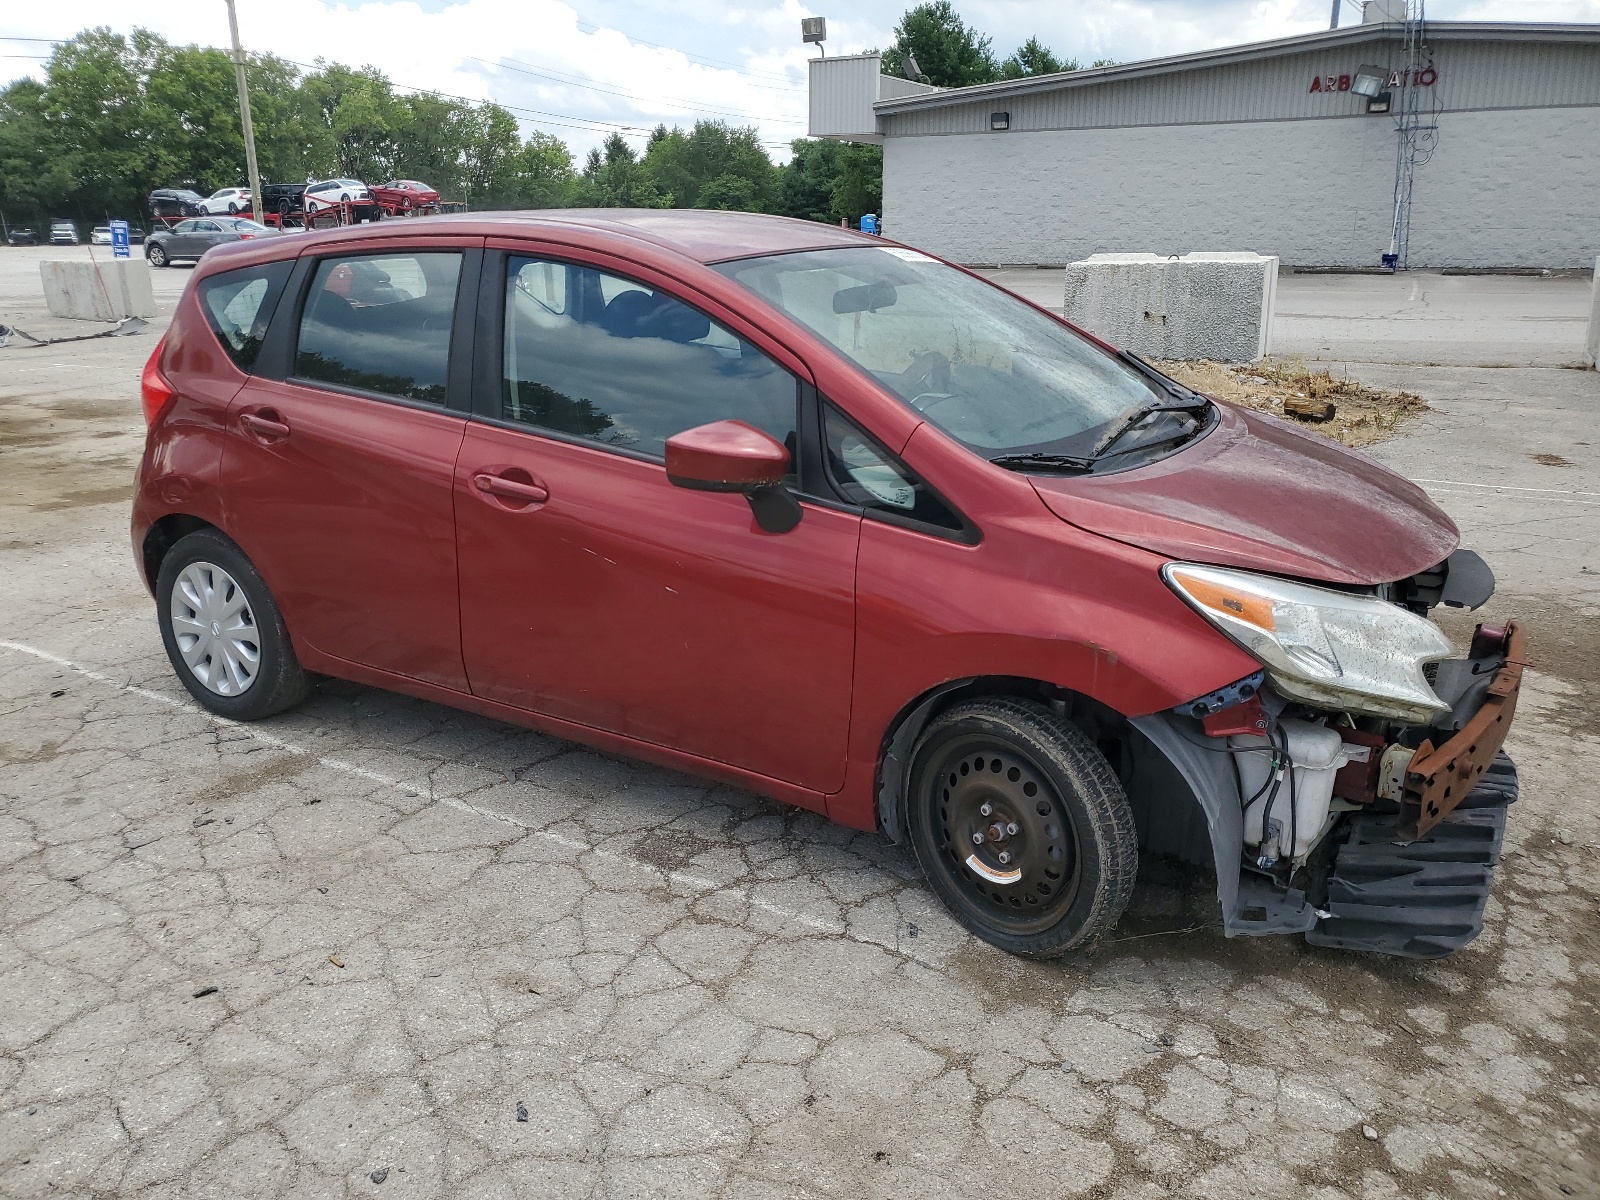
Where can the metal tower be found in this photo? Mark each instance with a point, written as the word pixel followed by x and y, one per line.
pixel 1416 118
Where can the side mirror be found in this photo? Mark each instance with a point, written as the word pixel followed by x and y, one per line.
pixel 730 456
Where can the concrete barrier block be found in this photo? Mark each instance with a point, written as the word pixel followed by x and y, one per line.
pixel 1202 305
pixel 1592 346
pixel 106 291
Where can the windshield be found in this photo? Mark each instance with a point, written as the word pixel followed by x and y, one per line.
pixel 989 370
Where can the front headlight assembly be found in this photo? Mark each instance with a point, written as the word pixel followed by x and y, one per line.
pixel 1352 653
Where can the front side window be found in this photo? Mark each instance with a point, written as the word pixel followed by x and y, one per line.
pixel 606 358
pixel 207 227
pixel 185 226
pixel 381 323
pixel 239 304
pixel 986 368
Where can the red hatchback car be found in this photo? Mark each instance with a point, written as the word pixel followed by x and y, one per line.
pixel 820 515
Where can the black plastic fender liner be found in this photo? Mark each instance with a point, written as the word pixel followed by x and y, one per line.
pixel 1424 899
pixel 1210 776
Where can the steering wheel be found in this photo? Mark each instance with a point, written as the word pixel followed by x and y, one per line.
pixel 923 401
pixel 928 372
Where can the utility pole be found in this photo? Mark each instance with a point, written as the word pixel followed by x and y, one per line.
pixel 244 115
pixel 1333 21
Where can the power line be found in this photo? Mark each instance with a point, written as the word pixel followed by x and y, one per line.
pixel 576 81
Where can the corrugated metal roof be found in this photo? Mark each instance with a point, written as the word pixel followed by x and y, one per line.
pixel 1500 33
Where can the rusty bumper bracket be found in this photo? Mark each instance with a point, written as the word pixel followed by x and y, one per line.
pixel 1439 779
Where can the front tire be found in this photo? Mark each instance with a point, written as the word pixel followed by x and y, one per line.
pixel 156 255
pixel 223 632
pixel 1020 826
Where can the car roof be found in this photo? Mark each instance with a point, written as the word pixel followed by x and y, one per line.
pixel 696 234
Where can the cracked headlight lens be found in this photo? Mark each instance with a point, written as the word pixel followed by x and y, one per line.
pixel 1353 653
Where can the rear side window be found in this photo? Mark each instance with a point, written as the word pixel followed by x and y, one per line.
pixel 606 358
pixel 381 323
pixel 239 304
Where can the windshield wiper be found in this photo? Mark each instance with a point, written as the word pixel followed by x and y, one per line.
pixel 1044 462
pixel 1136 416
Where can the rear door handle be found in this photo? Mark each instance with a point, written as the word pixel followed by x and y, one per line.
pixel 510 489
pixel 264 427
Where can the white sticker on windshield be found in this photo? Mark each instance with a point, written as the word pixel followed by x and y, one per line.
pixel 907 255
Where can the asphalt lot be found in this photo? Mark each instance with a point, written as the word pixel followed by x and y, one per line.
pixel 421 925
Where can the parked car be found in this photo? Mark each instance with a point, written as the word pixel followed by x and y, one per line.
pixel 63 233
pixel 175 202
pixel 282 198
pixel 100 235
pixel 329 194
pixel 403 197
pixel 22 237
pixel 192 238
pixel 816 514
pixel 227 200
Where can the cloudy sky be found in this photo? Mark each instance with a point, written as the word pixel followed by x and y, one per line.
pixel 583 68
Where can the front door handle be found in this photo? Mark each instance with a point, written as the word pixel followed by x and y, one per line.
pixel 267 427
pixel 510 489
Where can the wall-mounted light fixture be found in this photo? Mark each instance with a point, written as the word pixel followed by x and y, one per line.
pixel 1378 103
pixel 1369 80
pixel 815 29
pixel 999 120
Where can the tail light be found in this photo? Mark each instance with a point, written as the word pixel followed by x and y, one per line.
pixel 245 237
pixel 153 384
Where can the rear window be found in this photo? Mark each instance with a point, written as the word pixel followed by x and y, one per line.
pixel 381 324
pixel 239 304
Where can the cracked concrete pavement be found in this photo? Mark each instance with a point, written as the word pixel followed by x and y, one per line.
pixel 374 946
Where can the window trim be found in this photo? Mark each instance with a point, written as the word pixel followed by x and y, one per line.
pixel 489 351
pixel 283 336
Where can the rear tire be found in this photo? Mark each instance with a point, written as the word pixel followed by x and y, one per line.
pixel 223 632
pixel 1050 866
pixel 233 209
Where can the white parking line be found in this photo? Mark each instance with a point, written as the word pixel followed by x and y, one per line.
pixel 694 882
pixel 1506 487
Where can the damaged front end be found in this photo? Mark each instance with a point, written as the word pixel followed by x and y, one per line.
pixel 1355 788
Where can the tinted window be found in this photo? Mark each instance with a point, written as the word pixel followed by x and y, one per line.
pixel 185 226
pixel 606 358
pixel 866 474
pixel 208 227
pixel 381 324
pixel 238 305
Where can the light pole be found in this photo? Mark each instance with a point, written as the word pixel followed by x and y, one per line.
pixel 244 116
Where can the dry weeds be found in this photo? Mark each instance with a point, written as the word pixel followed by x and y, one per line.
pixel 1364 414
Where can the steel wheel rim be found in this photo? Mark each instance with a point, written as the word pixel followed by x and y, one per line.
pixel 1038 877
pixel 215 630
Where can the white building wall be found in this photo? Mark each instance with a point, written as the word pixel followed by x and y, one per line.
pixel 1505 188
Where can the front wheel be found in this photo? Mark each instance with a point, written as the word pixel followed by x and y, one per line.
pixel 1021 827
pixel 156 255
pixel 223 632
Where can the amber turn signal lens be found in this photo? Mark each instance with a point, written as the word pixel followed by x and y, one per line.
pixel 1256 610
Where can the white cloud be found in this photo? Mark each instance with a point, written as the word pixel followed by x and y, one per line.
pixel 484 49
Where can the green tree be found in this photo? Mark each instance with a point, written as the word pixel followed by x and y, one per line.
pixel 714 165
pixel 34 179
pixel 807 181
pixel 949 52
pixel 615 178
pixel 359 117
pixel 1033 57
pixel 858 188
pixel 543 174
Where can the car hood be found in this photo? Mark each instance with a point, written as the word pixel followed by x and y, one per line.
pixel 1258 493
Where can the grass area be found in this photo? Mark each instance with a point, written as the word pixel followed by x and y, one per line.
pixel 1363 414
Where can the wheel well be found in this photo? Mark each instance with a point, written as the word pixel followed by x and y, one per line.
pixel 162 537
pixel 1169 817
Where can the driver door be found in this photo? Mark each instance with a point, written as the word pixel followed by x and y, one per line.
pixel 595 591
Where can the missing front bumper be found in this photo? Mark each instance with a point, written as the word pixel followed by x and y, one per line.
pixel 1438 779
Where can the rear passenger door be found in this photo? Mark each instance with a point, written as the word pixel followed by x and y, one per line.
pixel 341 451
